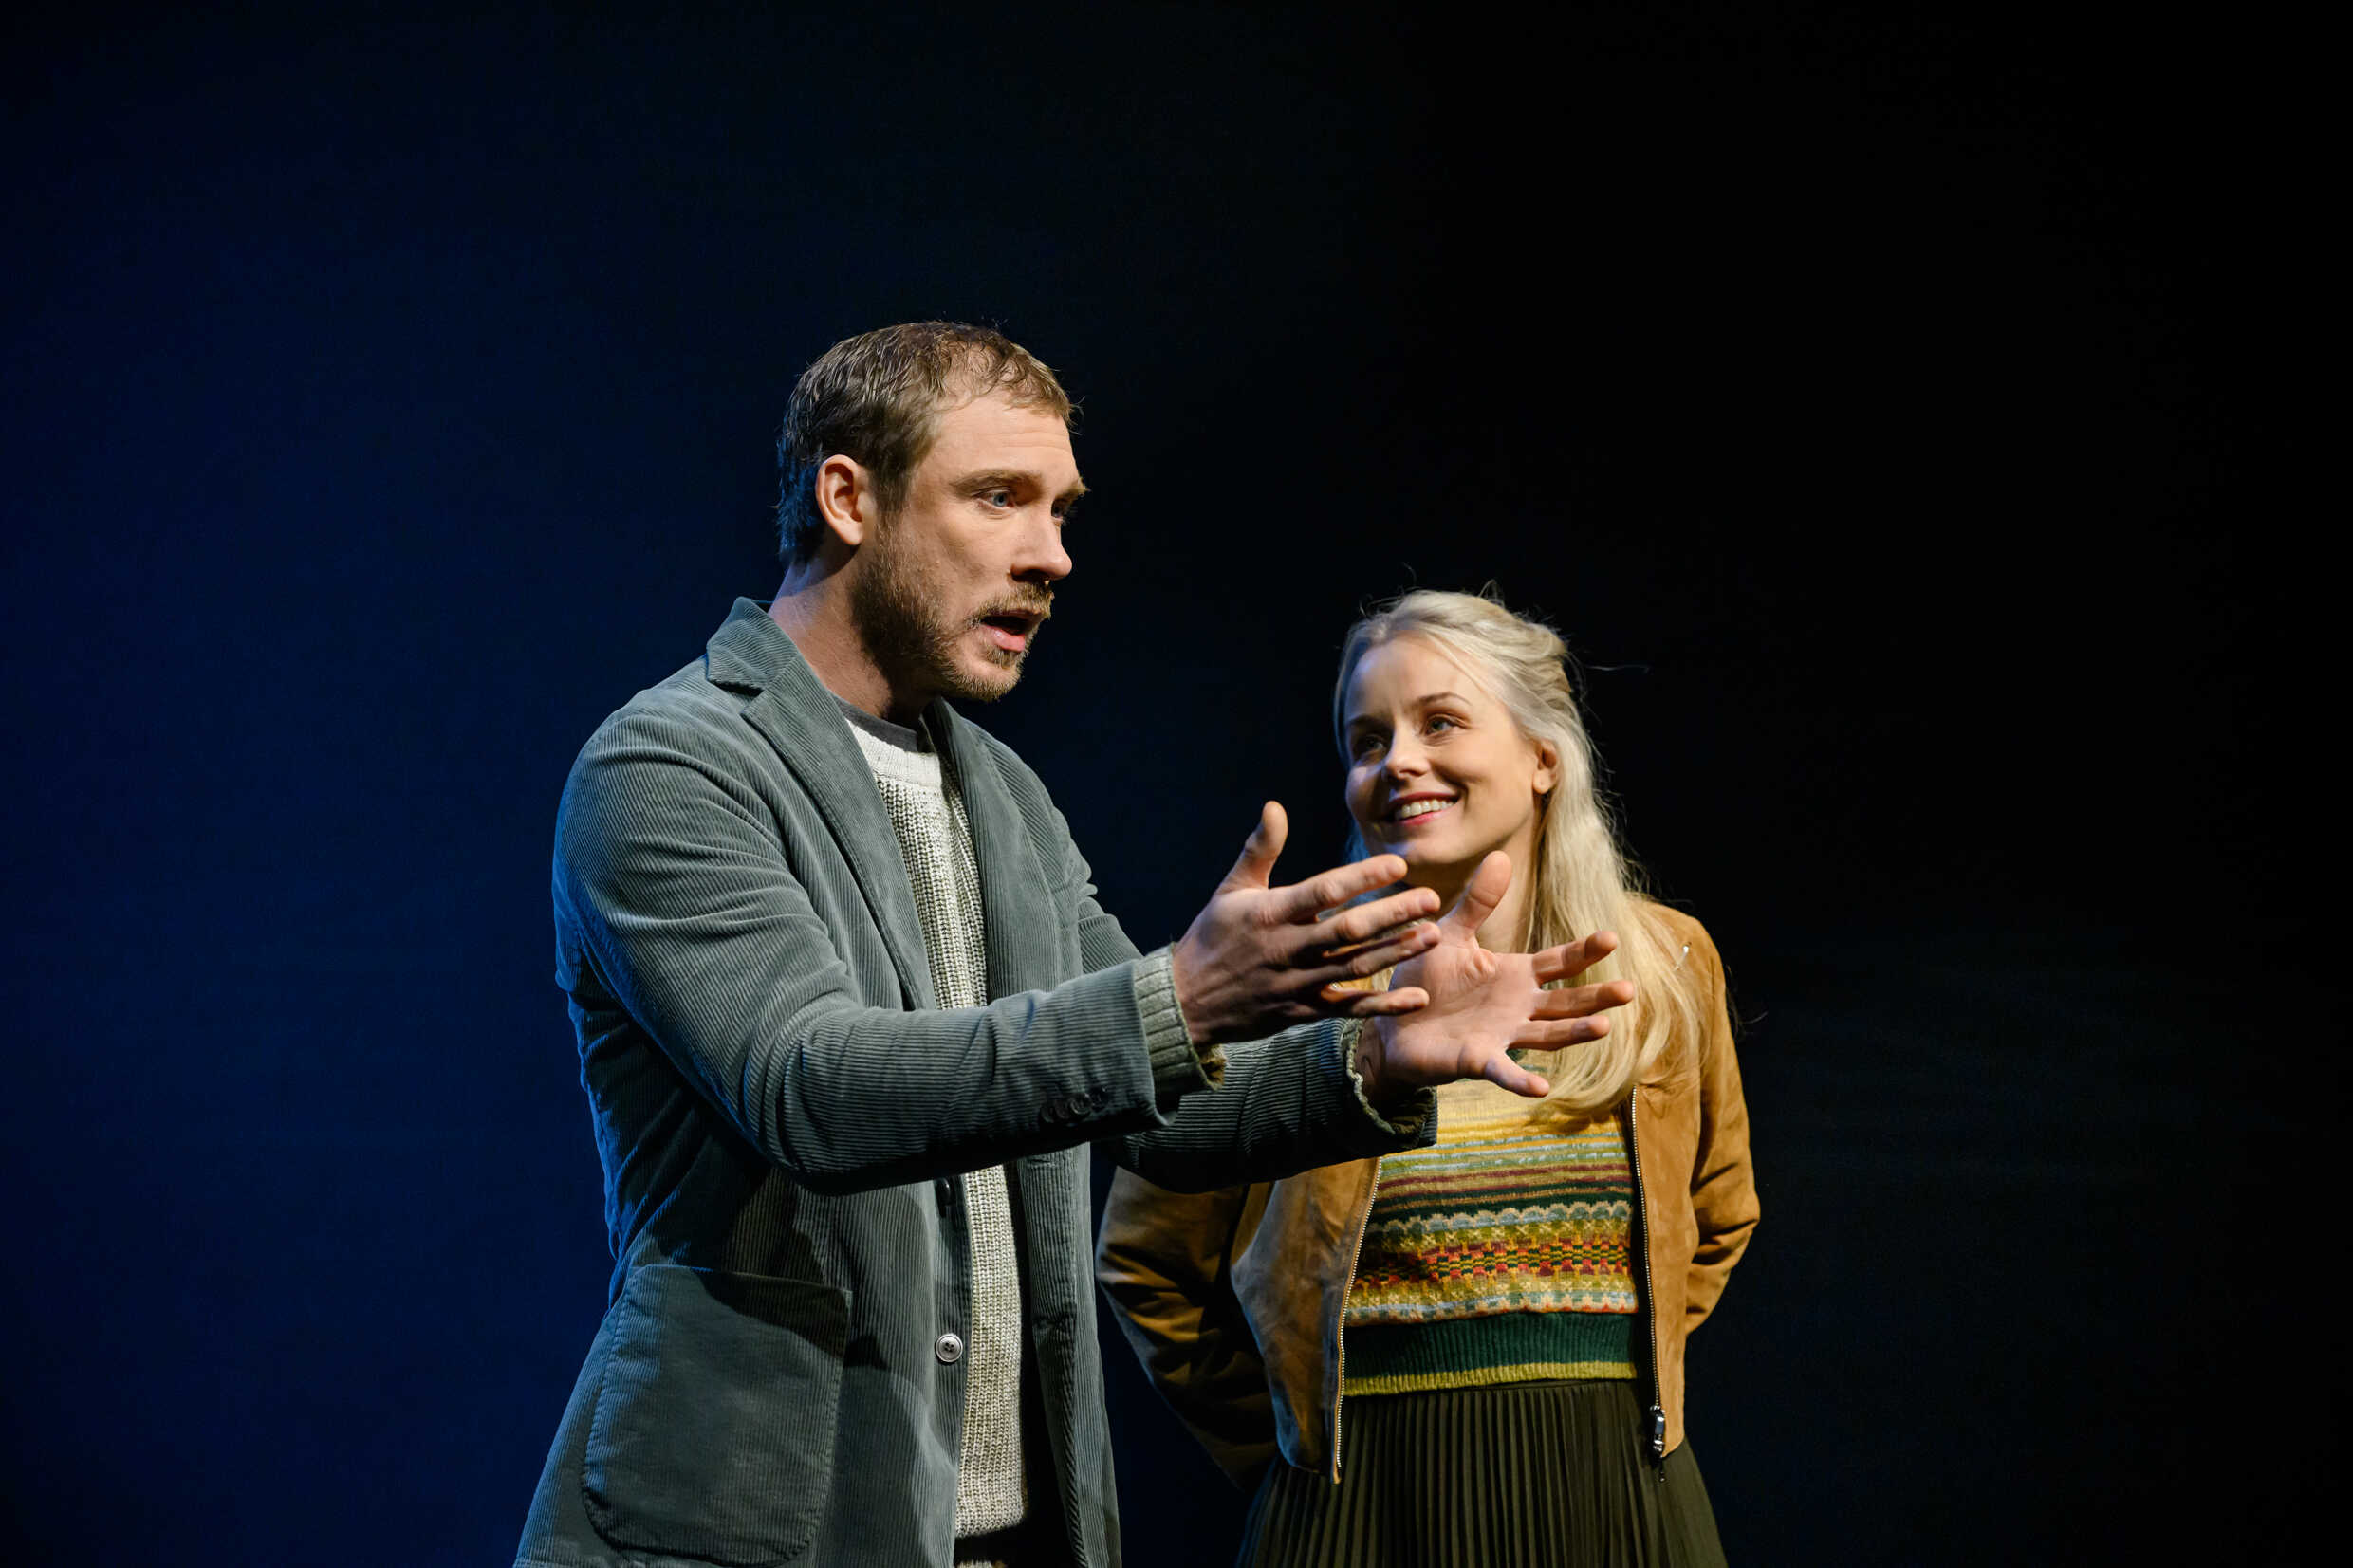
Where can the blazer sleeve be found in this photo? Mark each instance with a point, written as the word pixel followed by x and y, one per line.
pixel 1724 1196
pixel 672 890
pixel 1164 1261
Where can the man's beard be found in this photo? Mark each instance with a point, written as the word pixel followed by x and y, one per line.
pixel 895 609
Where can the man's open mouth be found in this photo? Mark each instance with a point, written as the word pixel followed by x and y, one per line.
pixel 1010 632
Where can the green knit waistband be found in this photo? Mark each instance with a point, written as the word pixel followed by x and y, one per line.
pixel 1506 1347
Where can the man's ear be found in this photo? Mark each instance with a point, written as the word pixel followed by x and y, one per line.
pixel 846 499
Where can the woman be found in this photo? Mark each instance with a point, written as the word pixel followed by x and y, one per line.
pixel 1495 1323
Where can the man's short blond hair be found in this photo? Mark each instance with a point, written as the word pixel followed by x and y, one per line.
pixel 876 398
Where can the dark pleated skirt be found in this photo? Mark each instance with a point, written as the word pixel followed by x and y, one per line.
pixel 1525 1475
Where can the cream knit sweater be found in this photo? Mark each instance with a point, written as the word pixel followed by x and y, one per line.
pixel 935 842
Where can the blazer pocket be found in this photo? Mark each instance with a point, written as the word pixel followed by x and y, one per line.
pixel 714 1430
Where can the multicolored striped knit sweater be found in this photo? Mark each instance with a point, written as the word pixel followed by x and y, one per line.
pixel 1501 1254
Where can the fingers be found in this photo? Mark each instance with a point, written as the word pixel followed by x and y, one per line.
pixel 1582 1000
pixel 1573 957
pixel 1505 1073
pixel 1479 898
pixel 1359 963
pixel 1336 887
pixel 1550 1034
pixel 1368 921
pixel 1356 970
pixel 1261 849
pixel 1356 1004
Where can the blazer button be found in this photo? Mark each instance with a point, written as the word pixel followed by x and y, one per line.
pixel 949 1349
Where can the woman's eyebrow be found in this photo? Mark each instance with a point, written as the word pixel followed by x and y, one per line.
pixel 1355 719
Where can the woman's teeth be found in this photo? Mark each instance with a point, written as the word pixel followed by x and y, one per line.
pixel 1418 808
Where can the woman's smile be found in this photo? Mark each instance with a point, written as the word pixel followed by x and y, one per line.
pixel 1418 808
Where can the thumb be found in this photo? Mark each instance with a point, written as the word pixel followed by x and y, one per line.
pixel 1256 867
pixel 1479 898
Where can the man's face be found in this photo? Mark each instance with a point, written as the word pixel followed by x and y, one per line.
pixel 950 592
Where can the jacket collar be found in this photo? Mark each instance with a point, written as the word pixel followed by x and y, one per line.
pixel 749 654
pixel 1021 926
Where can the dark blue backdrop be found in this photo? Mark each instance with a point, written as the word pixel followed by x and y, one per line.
pixel 386 401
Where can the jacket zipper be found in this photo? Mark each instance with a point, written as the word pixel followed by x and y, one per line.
pixel 1339 1325
pixel 1650 1293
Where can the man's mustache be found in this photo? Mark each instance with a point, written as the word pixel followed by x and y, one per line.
pixel 1040 607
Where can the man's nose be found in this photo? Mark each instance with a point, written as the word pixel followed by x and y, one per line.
pixel 1041 558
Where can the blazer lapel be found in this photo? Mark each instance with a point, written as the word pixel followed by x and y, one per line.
pixel 794 711
pixel 1021 925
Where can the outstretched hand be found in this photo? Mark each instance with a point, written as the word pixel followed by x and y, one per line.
pixel 1481 1005
pixel 1259 957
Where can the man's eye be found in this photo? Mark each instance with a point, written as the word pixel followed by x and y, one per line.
pixel 999 498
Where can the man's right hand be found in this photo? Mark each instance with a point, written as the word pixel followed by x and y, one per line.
pixel 1256 959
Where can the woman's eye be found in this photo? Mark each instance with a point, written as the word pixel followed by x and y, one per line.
pixel 1437 721
pixel 1364 746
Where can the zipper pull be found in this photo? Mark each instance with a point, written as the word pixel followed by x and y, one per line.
pixel 1658 1434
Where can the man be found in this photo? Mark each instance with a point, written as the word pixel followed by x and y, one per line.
pixel 848 1016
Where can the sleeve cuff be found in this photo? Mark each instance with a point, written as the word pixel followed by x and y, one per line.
pixel 1178 1066
pixel 1414 1120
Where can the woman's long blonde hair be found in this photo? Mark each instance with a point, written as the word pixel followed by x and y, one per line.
pixel 1583 880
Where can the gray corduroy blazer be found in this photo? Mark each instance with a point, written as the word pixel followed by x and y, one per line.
pixel 784 1117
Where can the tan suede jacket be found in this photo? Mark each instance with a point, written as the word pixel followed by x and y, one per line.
pixel 1232 1298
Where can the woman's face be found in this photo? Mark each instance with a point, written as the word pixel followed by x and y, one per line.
pixel 1438 770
